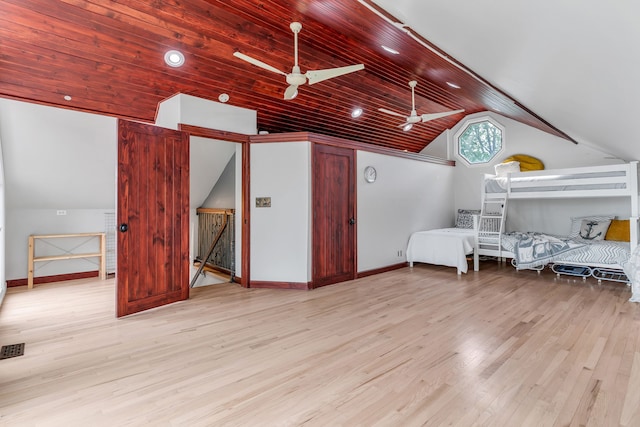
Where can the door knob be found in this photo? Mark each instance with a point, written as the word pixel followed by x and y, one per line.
pixel 124 228
pixel 352 221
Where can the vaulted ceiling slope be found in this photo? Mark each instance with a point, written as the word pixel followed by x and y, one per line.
pixel 573 62
pixel 108 57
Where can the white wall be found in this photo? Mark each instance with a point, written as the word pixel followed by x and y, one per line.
pixel 54 160
pixel 207 160
pixel 223 193
pixel 3 282
pixel 408 196
pixel 280 242
pixel 196 111
pixel 532 215
pixel 23 222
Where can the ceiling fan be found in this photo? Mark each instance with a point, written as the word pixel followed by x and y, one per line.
pixel 296 77
pixel 414 118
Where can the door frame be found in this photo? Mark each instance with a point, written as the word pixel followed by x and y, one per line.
pixel 244 278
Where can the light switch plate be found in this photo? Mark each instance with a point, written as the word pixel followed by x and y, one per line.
pixel 263 202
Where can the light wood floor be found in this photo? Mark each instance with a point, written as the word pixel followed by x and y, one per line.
pixel 404 348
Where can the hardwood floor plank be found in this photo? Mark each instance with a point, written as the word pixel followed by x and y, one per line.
pixel 420 346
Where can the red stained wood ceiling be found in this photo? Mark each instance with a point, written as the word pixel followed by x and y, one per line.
pixel 108 56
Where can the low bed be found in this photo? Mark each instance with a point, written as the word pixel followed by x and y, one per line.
pixel 445 246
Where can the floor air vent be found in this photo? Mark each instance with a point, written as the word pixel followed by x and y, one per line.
pixel 13 350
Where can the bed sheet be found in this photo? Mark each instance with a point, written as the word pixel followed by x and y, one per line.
pixel 444 246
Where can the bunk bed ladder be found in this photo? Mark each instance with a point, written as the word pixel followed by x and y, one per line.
pixel 490 226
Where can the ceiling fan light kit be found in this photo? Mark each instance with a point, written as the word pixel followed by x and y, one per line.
pixel 296 78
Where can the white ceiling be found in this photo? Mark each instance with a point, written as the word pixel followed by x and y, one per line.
pixel 575 63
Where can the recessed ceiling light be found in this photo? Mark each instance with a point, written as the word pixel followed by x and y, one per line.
pixel 67 97
pixel 223 97
pixel 356 112
pixel 407 127
pixel 453 85
pixel 390 50
pixel 174 58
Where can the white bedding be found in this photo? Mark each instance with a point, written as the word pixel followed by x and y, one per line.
pixel 444 246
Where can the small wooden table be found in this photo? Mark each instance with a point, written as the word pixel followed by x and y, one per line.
pixel 101 254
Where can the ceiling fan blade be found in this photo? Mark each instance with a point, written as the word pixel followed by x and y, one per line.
pixel 320 75
pixel 258 63
pixel 393 113
pixel 291 92
pixel 434 116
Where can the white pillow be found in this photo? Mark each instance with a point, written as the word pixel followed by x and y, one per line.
pixel 502 169
pixel 576 223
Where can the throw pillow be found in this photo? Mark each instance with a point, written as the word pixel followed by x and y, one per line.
pixel 576 223
pixel 527 163
pixel 502 169
pixel 465 217
pixel 592 229
pixel 619 231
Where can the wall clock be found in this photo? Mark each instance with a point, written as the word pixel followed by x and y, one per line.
pixel 370 174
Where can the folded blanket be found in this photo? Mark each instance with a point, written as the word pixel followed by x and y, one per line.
pixel 536 249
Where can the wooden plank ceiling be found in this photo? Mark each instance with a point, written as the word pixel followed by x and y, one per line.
pixel 108 56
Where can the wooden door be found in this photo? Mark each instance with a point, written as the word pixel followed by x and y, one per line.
pixel 153 217
pixel 333 207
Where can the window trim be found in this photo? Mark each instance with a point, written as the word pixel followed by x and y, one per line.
pixel 463 127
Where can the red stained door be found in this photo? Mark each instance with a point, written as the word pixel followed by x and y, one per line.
pixel 153 217
pixel 334 227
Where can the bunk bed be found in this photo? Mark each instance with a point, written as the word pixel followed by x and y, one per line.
pixel 575 255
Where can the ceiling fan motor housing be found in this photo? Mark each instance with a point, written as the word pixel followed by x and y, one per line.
pixel 296 77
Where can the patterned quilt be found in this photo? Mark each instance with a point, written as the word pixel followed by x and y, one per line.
pixel 534 249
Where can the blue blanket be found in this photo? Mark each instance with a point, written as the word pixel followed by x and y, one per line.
pixel 537 249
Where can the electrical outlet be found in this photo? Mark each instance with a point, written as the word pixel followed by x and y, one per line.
pixel 61 212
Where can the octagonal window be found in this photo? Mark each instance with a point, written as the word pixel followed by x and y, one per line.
pixel 480 141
